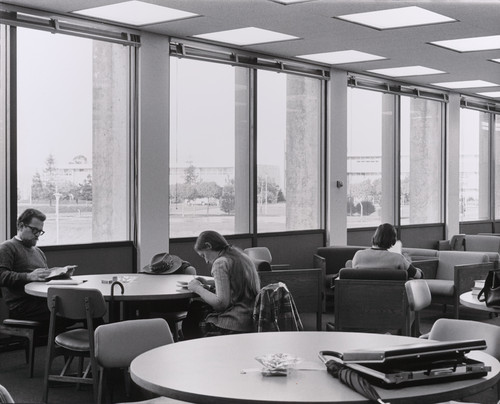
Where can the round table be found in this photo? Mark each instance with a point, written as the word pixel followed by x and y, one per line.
pixel 468 300
pixel 224 370
pixel 137 286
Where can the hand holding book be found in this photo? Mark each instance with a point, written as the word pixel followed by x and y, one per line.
pixel 61 272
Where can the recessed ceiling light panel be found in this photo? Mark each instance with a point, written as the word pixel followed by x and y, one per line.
pixel 491 94
pixel 135 13
pixel 290 1
pixel 397 18
pixel 406 71
pixel 246 36
pixel 466 84
pixel 495 60
pixel 339 57
pixel 471 44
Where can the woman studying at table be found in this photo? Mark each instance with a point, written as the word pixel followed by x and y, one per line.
pixel 226 306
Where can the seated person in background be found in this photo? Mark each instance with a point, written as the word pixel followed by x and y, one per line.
pixel 22 262
pixel 229 308
pixel 378 255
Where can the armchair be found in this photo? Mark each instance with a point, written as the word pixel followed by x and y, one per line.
pixel 371 300
pixel 453 273
pixel 259 254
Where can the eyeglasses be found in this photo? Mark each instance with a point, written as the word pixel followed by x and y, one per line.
pixel 36 231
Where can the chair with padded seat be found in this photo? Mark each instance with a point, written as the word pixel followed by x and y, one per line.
pixel 25 329
pixel 419 297
pixel 263 254
pixel 73 304
pixel 448 329
pixel 371 300
pixel 117 344
pixel 5 396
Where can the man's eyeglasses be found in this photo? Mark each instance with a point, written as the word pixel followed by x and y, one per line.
pixel 35 231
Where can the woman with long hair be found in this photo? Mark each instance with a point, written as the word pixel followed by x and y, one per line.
pixel 228 301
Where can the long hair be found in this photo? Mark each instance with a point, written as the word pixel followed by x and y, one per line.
pixel 385 236
pixel 245 282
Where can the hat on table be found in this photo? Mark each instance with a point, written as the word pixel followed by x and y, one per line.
pixel 163 263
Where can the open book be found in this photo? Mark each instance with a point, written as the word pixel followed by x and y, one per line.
pixel 61 272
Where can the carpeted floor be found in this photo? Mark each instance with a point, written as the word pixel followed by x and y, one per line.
pixel 14 371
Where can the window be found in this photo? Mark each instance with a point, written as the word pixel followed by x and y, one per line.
pixel 420 161
pixel 474 165
pixel 370 158
pixel 73 136
pixel 209 148
pixel 288 152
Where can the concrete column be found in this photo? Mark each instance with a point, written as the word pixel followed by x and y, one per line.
pixel 302 153
pixel 153 231
pixel 109 142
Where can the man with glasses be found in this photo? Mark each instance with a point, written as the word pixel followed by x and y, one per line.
pixel 21 262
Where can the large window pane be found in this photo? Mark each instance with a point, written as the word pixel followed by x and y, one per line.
pixel 288 152
pixel 370 158
pixel 209 148
pixel 421 123
pixel 474 165
pixel 73 136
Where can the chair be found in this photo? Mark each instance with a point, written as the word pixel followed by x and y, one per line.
pixel 419 297
pixel 263 254
pixel 74 304
pixel 5 396
pixel 23 329
pixel 305 285
pixel 275 310
pixel 371 299
pixel 117 344
pixel 448 329
pixel 452 273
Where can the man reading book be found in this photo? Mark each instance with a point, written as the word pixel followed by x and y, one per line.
pixel 21 262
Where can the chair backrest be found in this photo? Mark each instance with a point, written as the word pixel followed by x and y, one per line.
pixel 117 344
pixel 275 310
pixel 71 302
pixel 448 260
pixel 371 303
pixel 259 253
pixel 373 273
pixel 447 329
pixel 418 293
pixel 5 396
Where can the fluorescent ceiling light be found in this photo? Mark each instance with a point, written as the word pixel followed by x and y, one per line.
pixel 396 18
pixel 495 60
pixel 406 71
pixel 479 43
pixel 466 84
pixel 135 13
pixel 347 56
pixel 492 94
pixel 246 36
pixel 290 1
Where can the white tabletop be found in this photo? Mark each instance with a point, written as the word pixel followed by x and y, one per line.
pixel 468 300
pixel 224 370
pixel 138 286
